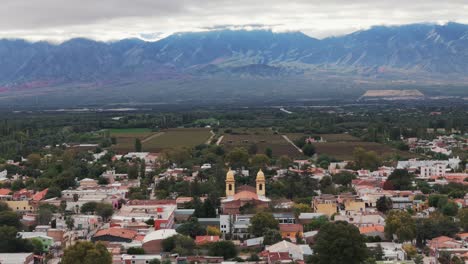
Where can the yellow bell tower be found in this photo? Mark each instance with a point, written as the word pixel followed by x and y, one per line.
pixel 230 183
pixel 260 183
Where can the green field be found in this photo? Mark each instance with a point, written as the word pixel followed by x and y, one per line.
pixel 175 138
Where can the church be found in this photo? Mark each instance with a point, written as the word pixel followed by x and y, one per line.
pixel 243 195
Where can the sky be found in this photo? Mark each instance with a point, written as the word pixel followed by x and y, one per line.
pixel 107 20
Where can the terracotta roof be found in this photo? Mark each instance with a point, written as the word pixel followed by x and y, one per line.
pixel 200 240
pixel 277 256
pixel 291 228
pixel 117 232
pixel 40 195
pixel 4 191
pixel 245 195
pixel 246 188
pixel 371 229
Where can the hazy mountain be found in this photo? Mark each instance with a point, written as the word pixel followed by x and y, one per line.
pixel 433 50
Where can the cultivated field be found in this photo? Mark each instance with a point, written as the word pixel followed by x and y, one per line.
pixel 327 137
pixel 344 150
pixel 175 138
pixel 263 138
pixel 126 138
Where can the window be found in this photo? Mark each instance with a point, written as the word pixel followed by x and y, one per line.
pixel 260 187
pixel 230 187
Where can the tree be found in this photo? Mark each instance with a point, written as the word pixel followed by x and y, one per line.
pixel 308 149
pixel 271 236
pixel 269 152
pixel 135 251
pixel 70 222
pixel 261 221
pixel 410 250
pixel 10 241
pixel 316 223
pixel 9 218
pixel 339 243
pixel 343 178
pixel 137 145
pixel 401 179
pixel 301 208
pixel 104 210
pixel 44 215
pixel 225 249
pixel 401 224
pixel 365 159
pixel 238 157
pixel 191 228
pixel 213 231
pixel 463 216
pixel 88 208
pixel 35 160
pixel 284 162
pixel 155 261
pixel 4 207
pixel 434 226
pixel 384 204
pixel 85 252
pixel 38 247
pixel 180 244
pixel 450 209
pixel 259 161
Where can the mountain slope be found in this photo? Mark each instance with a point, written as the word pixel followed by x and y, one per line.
pixel 419 48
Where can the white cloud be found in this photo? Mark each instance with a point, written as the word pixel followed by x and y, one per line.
pixel 58 20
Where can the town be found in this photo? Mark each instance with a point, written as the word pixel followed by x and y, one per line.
pixel 304 186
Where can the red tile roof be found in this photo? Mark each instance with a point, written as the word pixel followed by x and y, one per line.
pixel 5 191
pixel 371 229
pixel 40 195
pixel 291 228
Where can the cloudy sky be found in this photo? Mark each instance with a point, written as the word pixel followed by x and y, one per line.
pixel 58 20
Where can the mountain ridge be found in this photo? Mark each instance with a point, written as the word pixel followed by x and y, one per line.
pixel 379 52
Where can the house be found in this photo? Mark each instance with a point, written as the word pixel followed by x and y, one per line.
pixel 291 231
pixel 391 251
pixel 20 206
pixel 203 240
pixel 46 240
pixel 309 237
pixel 373 231
pixel 443 243
pixel 115 235
pixel 277 257
pixel 326 204
pixel 5 194
pixel 17 258
pixel 296 252
pixel 152 243
pixel 88 183
pixel 306 218
pixel 163 214
pixel 138 259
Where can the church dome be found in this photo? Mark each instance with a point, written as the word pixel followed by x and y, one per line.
pixel 230 175
pixel 260 175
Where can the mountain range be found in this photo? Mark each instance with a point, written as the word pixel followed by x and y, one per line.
pixel 408 53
